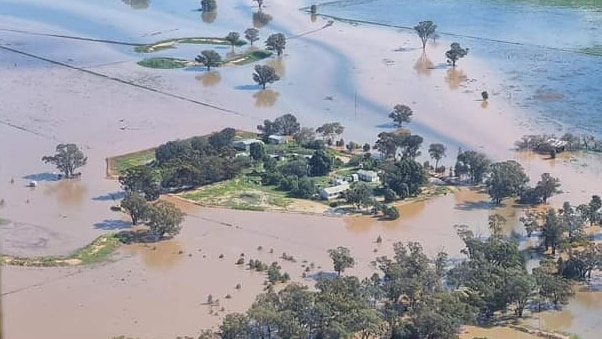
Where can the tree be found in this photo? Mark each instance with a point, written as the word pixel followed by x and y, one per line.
pixel 257 151
pixel 391 212
pixel 330 130
pixel 401 114
pixel 136 206
pixel 593 214
pixel 252 34
pixel 141 179
pixel 276 42
pixel 341 259
pixel 234 326
pixel 410 147
pixel 455 53
pixel 506 179
pixel 366 147
pixel 232 38
pixel 547 186
pixel 389 142
pixel 264 75
pixel 209 58
pixel 259 3
pixel 304 136
pixel 320 164
pixel 67 159
pixel 553 288
pixel 425 30
pixel 404 177
pixel 551 231
pixel 359 195
pixel 286 124
pixel 208 5
pixel 437 152
pixel 261 19
pixel 165 218
pixel 473 163
pixel 306 188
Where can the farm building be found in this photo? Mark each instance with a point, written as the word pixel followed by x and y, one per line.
pixel 333 192
pixel 369 176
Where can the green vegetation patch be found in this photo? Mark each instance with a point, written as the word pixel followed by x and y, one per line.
pixel 594 50
pixel 97 251
pixel 241 194
pixel 164 63
pixel 248 58
pixel 170 43
pixel 126 161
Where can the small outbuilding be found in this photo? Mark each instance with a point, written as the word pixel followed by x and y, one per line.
pixel 277 139
pixel 245 144
pixel 369 176
pixel 333 192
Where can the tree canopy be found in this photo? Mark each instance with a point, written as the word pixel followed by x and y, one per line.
pixel 401 114
pixel 455 53
pixel 286 124
pixel 506 179
pixel 264 75
pixel 276 42
pixel 437 152
pixel 425 30
pixel 209 58
pixel 474 164
pixel 67 159
pixel 164 218
pixel 341 259
pixel 320 164
pixel 233 38
pixel 252 34
pixel 136 206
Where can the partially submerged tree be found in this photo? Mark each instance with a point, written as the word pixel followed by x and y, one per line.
pixel 425 30
pixel 276 42
pixel 252 34
pixel 208 5
pixel 136 206
pixel 506 179
pixel 209 58
pixel 341 259
pixel 264 75
pixel 401 114
pixel 547 186
pixel 437 152
pixel 473 163
pixel 232 38
pixel 67 159
pixel 141 179
pixel 164 218
pixel 455 53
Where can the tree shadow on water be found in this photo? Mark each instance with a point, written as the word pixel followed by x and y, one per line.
pixel 475 205
pixel 42 177
pixel 110 196
pixel 111 225
pixel 248 87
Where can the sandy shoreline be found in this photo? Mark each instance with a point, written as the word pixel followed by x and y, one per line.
pixel 49 104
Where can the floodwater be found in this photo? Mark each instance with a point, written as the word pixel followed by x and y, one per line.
pixel 535 44
pixel 150 286
pixel 153 284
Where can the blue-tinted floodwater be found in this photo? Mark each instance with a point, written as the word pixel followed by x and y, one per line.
pixel 535 44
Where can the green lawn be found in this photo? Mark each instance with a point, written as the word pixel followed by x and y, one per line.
pixel 170 43
pixel 248 58
pixel 123 162
pixel 163 63
pixel 594 50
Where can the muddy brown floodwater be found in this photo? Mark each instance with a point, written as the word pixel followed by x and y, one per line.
pixel 151 285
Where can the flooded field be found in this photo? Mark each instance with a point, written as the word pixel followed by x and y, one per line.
pixel 73 89
pixel 537 45
pixel 170 281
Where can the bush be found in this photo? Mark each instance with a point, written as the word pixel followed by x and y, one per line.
pixel 391 212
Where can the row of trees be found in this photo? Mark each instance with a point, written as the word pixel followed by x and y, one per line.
pixel 186 163
pixel 162 217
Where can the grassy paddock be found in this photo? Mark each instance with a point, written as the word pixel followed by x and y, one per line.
pixel 170 43
pixel 248 58
pixel 164 63
pixel 118 164
pixel 594 50
pixel 97 251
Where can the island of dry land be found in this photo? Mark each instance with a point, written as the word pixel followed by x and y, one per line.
pixel 190 235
